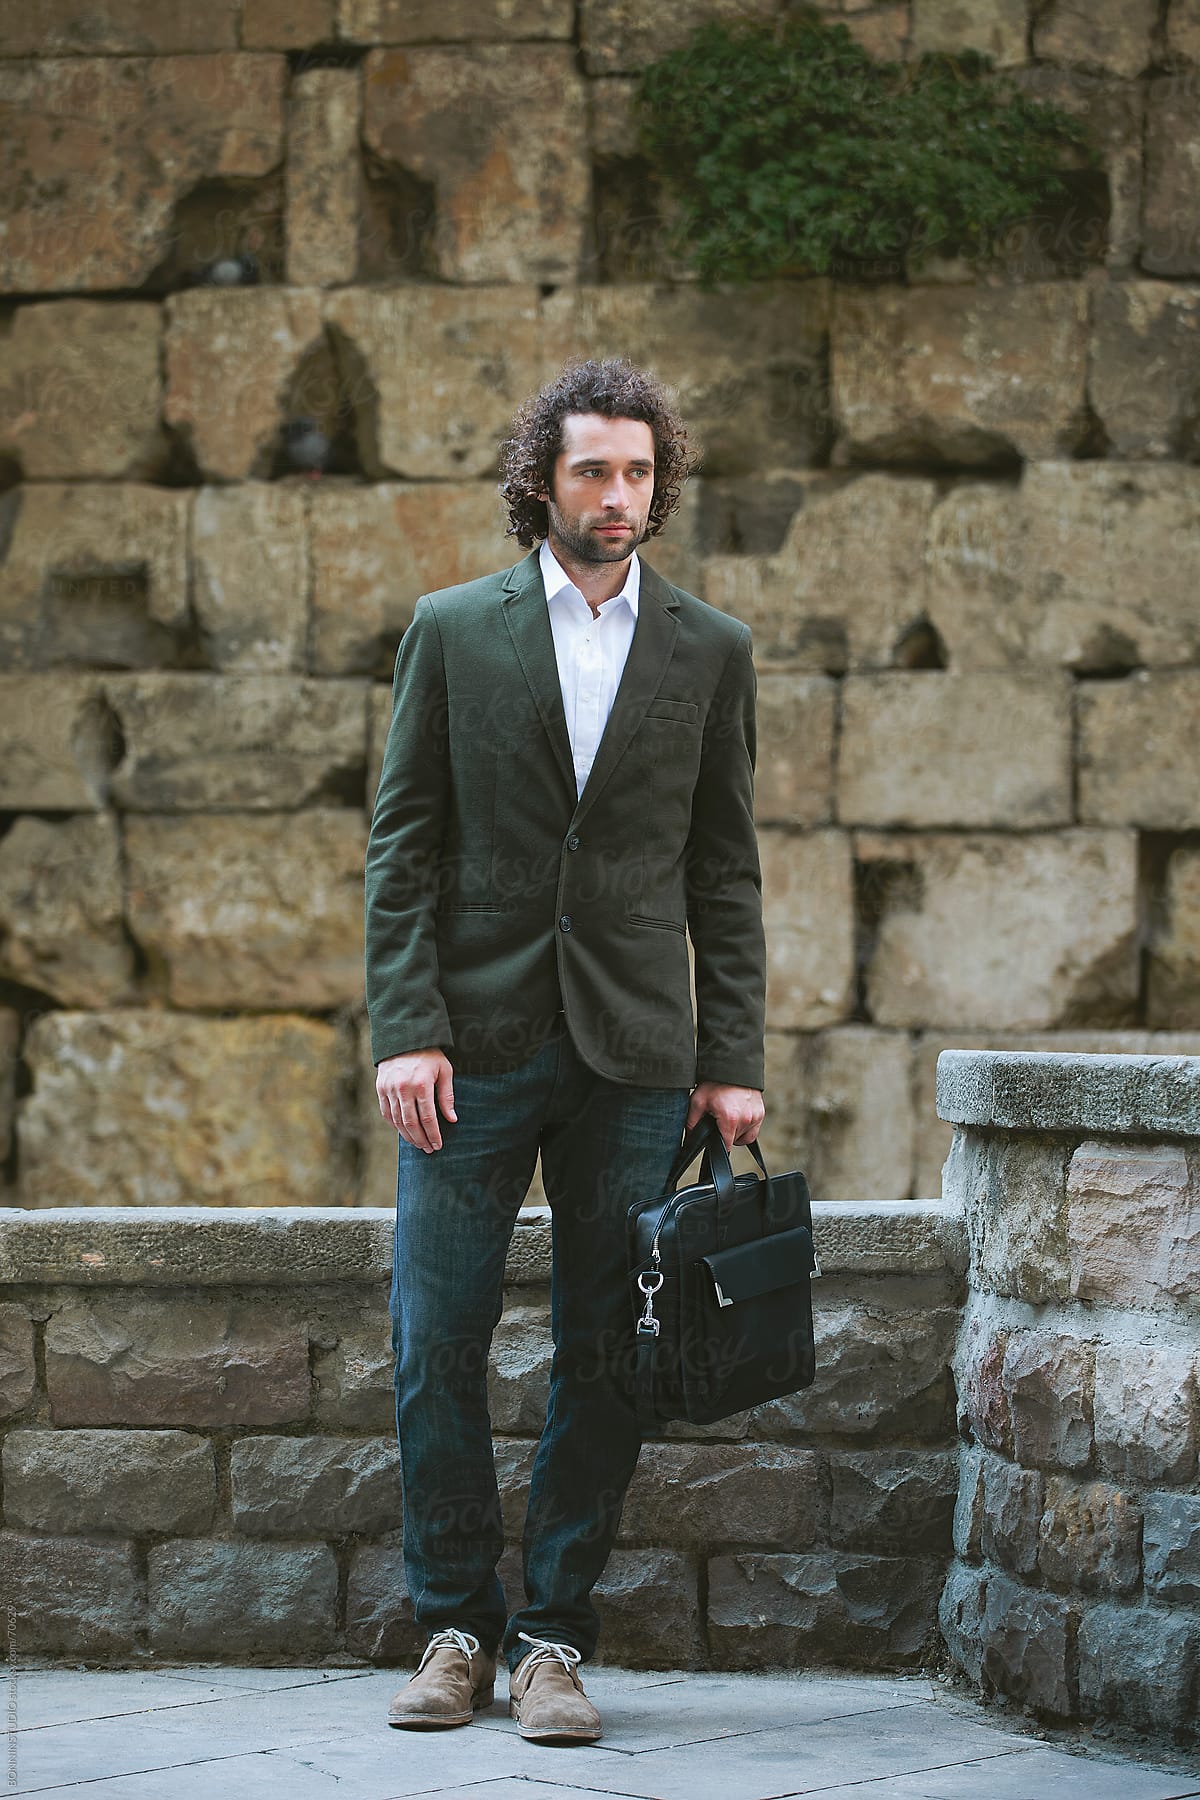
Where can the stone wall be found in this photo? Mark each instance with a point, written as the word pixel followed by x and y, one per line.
pixel 1076 1584
pixel 958 512
pixel 199 1454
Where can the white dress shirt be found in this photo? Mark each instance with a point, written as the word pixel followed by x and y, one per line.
pixel 591 651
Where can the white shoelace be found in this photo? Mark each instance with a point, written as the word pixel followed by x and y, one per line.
pixel 545 1650
pixel 449 1639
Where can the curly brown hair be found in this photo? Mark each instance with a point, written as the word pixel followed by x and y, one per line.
pixel 615 389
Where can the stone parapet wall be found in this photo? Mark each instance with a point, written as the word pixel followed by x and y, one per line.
pixel 199 1459
pixel 956 507
pixel 1076 1584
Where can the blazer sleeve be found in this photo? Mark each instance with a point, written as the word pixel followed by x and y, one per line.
pixel 724 885
pixel 406 1010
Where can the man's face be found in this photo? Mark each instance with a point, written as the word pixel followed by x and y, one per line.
pixel 601 487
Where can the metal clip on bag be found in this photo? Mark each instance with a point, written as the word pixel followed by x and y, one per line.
pixel 720 1274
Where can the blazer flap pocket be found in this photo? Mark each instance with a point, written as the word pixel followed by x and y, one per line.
pixel 686 710
pixel 761 1266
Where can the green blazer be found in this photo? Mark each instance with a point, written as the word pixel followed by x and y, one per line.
pixel 496 899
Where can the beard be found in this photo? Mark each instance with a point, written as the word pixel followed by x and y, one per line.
pixel 583 543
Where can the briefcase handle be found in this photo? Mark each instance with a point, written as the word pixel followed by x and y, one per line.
pixel 706 1135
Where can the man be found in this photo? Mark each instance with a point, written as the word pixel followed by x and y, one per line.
pixel 567 786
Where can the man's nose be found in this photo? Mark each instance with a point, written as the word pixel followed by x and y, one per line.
pixel 616 494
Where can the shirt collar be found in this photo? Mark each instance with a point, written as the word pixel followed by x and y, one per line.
pixel 556 578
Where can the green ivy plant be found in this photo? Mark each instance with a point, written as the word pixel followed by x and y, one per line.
pixel 787 146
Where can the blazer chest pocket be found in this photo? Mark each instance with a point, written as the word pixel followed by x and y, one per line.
pixel 682 712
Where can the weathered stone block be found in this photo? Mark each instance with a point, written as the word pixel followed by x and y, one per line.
pixel 706 1494
pixel 354 1388
pixel 116 1359
pixel 1116 38
pixel 766 1611
pixel 1143 382
pixel 1145 1413
pixel 747 369
pixel 251 911
pixel 379 1610
pixel 70 1596
pixel 125 1482
pixel 228 1599
pixel 96 151
pixel 618 35
pixel 960 1616
pixel 1013 1198
pixel 793 777
pixel 847 590
pixel 95 573
pixel 1027 1641
pixel 968 1505
pixel 444 21
pixel 230 354
pixel 151 1109
pixel 963 375
pixel 888 1501
pixel 841 1109
pixel 56 743
pixel 1091 1537
pixel 514 1468
pixel 649 1610
pixel 1134 1224
pixel 10 1037
pixel 499 134
pixel 1174 957
pixel 315 1486
pixel 73 28
pixel 936 748
pixel 1048 1378
pixel 1139 1666
pixel 1018 933
pixel 1171 241
pixel 1171 1544
pixel 1088 564
pixel 519 1370
pixel 80 390
pixel 950 27
pixel 1113 111
pixel 1138 758
pixel 983 1405
pixel 287 24
pixel 1012 1509
pixel 323 176
pixel 241 743
pixel 250 559
pixel 809 918
pixel 18 1370
pixel 882 1369
pixel 377 549
pixel 437 373
pixel 61 924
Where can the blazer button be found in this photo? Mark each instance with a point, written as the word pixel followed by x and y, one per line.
pixel 565 922
pixel 572 842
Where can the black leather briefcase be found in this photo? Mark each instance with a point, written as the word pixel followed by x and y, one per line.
pixel 720 1274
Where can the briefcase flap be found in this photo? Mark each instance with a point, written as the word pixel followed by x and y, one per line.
pixel 762 1265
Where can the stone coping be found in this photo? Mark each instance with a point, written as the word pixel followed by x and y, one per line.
pixel 1050 1090
pixel 284 1246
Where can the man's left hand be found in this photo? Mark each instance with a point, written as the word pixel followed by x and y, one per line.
pixel 739 1111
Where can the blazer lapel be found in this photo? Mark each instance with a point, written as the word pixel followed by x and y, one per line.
pixel 528 621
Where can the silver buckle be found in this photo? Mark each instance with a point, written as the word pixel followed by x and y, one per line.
pixel 649 1281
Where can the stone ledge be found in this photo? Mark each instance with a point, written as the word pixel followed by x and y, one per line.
pixel 281 1246
pixel 1041 1090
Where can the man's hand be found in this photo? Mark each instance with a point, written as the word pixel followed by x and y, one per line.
pixel 406 1086
pixel 739 1111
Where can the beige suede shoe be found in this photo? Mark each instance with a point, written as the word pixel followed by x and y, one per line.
pixel 453 1679
pixel 546 1697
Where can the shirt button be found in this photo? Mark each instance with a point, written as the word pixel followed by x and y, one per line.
pixel 572 843
pixel 565 922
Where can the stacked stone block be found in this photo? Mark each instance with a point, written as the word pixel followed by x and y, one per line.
pixel 957 507
pixel 199 1459
pixel 1076 1584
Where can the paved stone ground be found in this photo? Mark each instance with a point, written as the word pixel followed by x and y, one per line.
pixel 224 1734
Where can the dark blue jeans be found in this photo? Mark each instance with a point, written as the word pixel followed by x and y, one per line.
pixel 603 1145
